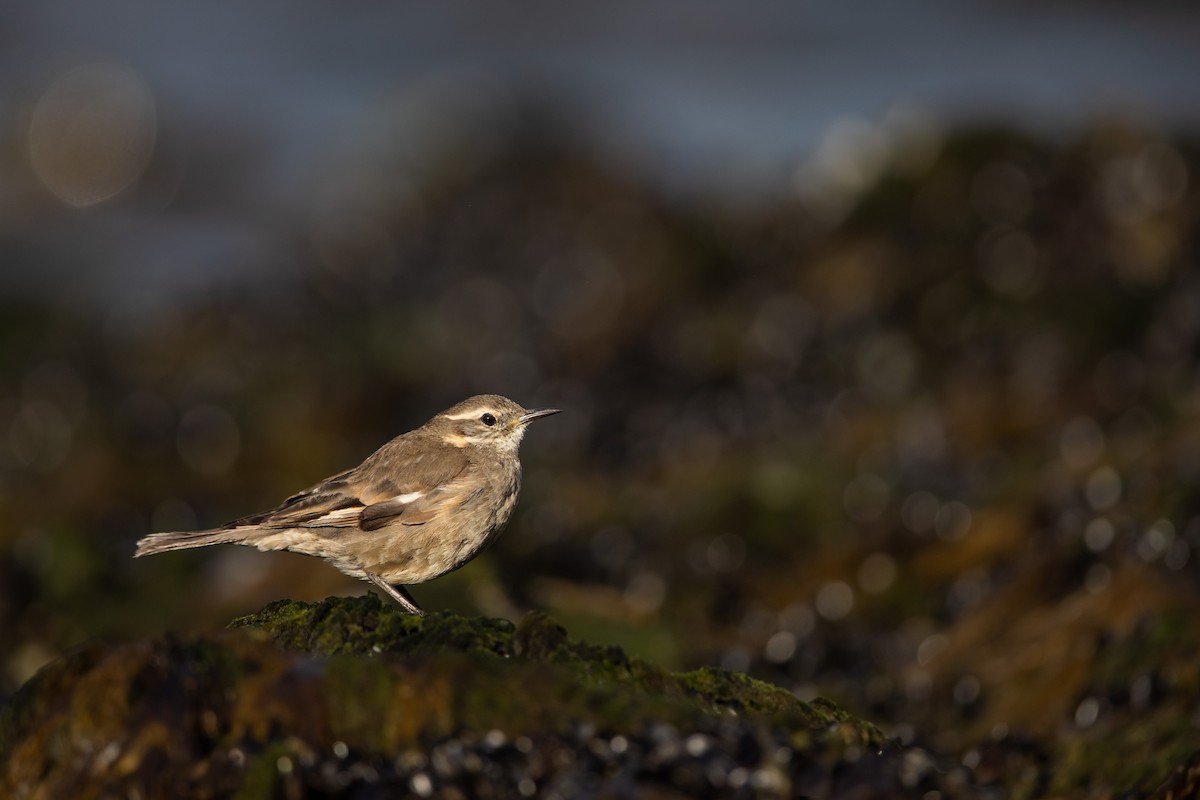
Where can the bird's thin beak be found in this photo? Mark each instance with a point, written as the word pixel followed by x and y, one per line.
pixel 530 416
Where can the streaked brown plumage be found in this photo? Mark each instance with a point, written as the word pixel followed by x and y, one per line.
pixel 420 506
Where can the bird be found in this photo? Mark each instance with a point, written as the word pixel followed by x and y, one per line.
pixel 422 505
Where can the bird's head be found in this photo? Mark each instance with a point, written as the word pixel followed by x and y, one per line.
pixel 487 420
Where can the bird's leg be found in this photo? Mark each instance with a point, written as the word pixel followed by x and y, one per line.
pixel 397 593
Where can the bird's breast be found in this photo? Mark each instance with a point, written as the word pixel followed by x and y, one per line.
pixel 415 553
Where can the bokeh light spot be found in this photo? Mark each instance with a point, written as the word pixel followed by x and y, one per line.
pixel 92 132
pixel 835 600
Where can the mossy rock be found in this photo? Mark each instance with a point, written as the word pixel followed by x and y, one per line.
pixel 364 626
pixel 352 694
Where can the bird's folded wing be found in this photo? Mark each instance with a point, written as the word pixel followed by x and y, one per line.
pixel 399 479
pixel 333 483
pixel 419 508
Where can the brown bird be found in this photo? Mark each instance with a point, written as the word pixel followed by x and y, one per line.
pixel 420 506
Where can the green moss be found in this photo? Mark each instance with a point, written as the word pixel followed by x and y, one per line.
pixel 365 625
pixel 585 680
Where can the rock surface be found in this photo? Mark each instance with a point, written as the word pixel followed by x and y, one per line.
pixel 350 697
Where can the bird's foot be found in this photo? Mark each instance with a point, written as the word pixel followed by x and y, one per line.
pixel 397 593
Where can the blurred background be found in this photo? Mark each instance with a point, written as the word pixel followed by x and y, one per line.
pixel 876 326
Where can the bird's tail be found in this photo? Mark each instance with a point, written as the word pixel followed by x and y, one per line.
pixel 182 540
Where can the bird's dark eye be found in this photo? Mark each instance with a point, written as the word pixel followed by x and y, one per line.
pixel 488 419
